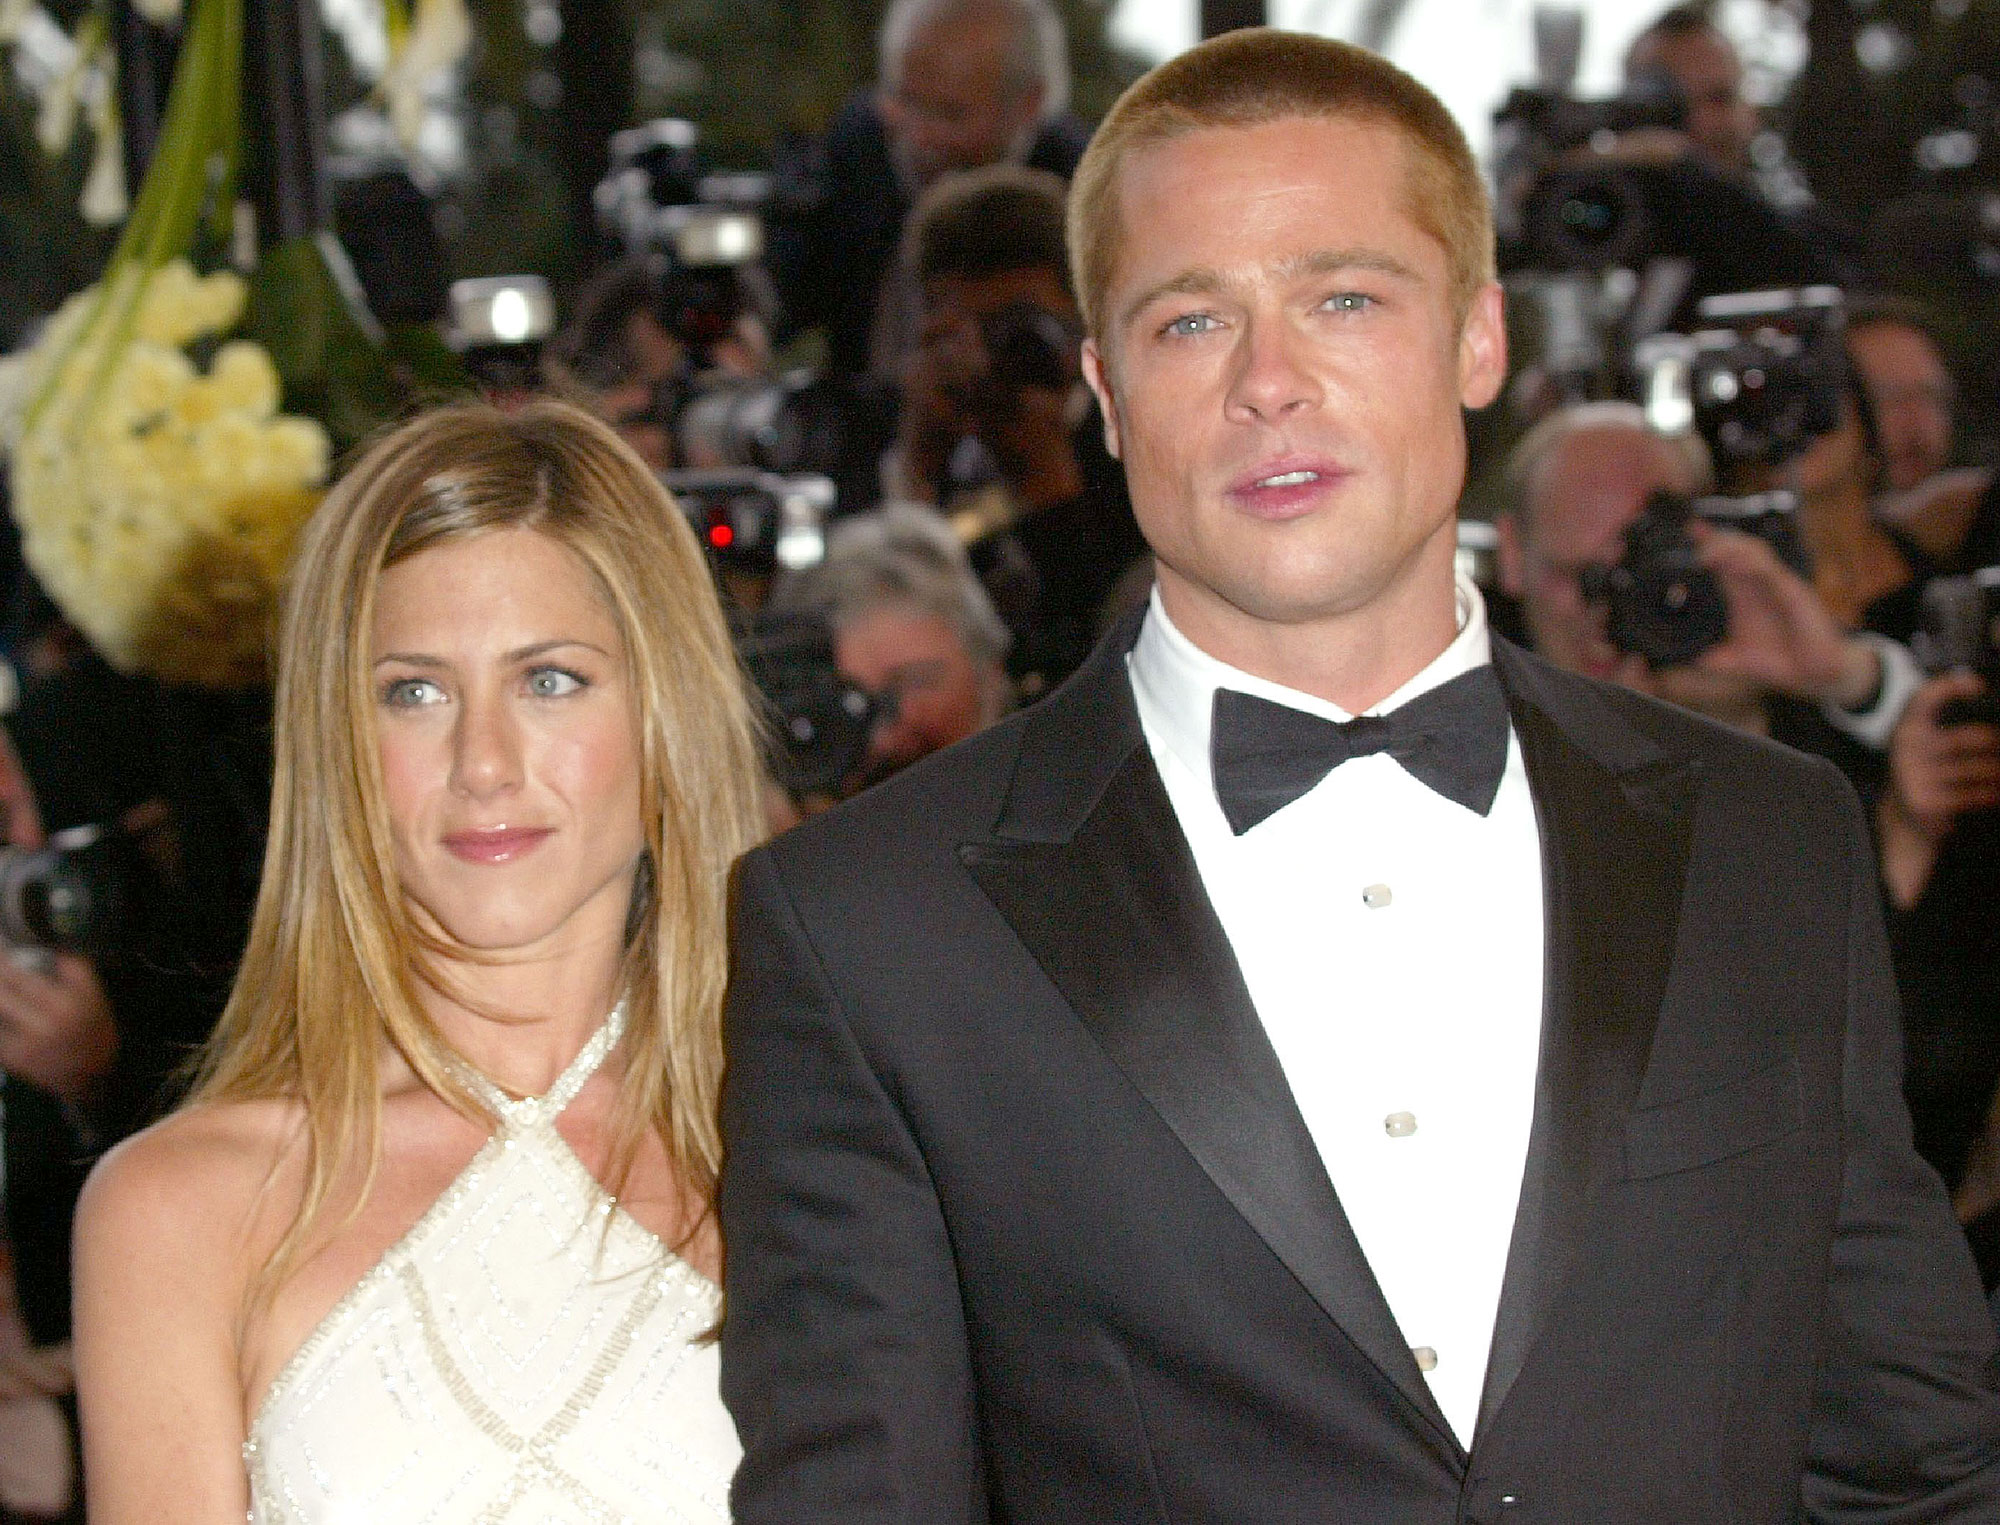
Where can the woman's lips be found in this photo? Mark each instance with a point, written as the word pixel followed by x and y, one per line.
pixel 498 844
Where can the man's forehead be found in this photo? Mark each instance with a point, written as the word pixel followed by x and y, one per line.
pixel 1593 482
pixel 969 40
pixel 1368 138
pixel 1165 168
pixel 1890 339
pixel 1705 55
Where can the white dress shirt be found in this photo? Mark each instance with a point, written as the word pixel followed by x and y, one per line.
pixel 1391 941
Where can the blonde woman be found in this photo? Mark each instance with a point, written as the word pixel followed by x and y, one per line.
pixel 433 1241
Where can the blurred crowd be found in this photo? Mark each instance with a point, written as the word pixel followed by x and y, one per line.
pixel 1739 488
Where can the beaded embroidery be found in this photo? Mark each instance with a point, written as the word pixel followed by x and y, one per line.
pixel 527 1352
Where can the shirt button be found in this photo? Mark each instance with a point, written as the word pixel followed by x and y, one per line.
pixel 1427 1359
pixel 1377 896
pixel 1400 1124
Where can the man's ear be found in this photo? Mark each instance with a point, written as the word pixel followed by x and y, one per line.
pixel 1482 348
pixel 1096 373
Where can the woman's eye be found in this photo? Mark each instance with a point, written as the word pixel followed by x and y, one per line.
pixel 409 693
pixel 553 682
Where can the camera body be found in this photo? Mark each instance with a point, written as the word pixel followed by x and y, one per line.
pixel 821 719
pixel 756 521
pixel 1568 215
pixel 1759 381
pixel 1959 630
pixel 74 895
pixel 1661 603
pixel 1028 346
pixel 660 195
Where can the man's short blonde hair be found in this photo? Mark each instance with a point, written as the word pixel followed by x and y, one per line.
pixel 1255 76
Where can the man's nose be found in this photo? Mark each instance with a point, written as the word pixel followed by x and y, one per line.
pixel 486 748
pixel 1272 377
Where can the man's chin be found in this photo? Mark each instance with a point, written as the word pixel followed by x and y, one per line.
pixel 1306 593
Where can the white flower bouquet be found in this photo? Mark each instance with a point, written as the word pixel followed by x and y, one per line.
pixel 158 500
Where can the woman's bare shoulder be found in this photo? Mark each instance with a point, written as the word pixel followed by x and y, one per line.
pixel 198 1176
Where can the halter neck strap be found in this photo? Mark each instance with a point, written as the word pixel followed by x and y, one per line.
pixel 531 1111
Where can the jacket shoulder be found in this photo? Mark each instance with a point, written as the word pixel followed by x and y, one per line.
pixel 1751 780
pixel 937 803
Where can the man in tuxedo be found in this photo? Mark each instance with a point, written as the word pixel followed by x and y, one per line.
pixel 1323 1064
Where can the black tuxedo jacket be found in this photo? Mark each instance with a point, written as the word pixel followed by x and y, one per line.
pixel 1023 1223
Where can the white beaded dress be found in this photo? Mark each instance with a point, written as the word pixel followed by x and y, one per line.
pixel 526 1355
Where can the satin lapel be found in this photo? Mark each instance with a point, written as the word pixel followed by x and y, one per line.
pixel 1614 813
pixel 1118 918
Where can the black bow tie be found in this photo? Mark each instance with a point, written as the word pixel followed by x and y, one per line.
pixel 1265 755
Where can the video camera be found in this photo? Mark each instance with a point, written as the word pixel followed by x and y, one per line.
pixel 1759 382
pixel 1661 603
pixel 1571 216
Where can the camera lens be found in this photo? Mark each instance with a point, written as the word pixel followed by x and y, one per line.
pixel 1587 219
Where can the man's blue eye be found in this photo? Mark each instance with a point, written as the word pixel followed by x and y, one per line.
pixel 1193 323
pixel 553 682
pixel 1349 301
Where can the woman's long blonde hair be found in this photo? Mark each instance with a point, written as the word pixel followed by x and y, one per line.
pixel 335 960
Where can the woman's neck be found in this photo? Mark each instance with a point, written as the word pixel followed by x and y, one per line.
pixel 521 1023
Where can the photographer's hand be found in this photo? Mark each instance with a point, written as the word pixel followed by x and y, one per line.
pixel 1937 773
pixel 937 378
pixel 37 1371
pixel 1029 435
pixel 56 1030
pixel 1780 633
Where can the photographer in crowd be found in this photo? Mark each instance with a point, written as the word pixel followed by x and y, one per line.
pixel 57 1043
pixel 912 627
pixel 1582 479
pixel 961 84
pixel 1891 343
pixel 643 329
pixel 1687 47
pixel 1952 514
pixel 997 428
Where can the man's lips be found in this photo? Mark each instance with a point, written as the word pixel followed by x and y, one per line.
pixel 496 844
pixel 1286 487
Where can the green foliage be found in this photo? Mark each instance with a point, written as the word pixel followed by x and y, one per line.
pixel 327 355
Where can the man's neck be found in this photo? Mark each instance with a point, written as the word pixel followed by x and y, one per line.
pixel 1351 658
